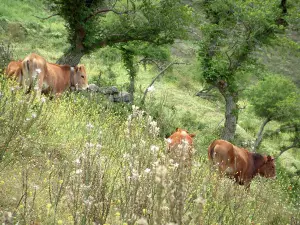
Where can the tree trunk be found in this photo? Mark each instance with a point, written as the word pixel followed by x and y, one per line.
pixel 128 59
pixel 71 57
pixel 283 7
pixel 131 85
pixel 259 135
pixel 231 115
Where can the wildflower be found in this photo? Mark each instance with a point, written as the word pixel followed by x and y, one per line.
pixel 161 171
pixel 33 115
pixel 77 161
pixel 200 200
pixel 126 156
pixel 60 181
pixel 59 222
pixel 154 148
pixel 38 70
pixel 144 211
pixel 89 126
pixel 49 206
pixel 142 221
pixel 36 187
pixel 89 145
pixel 135 174
pixel 79 171
pixel 36 88
pixel 117 214
pixel 12 88
pixel 147 170
pixel 43 99
pixel 98 146
pixel 151 89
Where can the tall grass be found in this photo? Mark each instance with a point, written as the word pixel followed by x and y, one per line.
pixel 89 163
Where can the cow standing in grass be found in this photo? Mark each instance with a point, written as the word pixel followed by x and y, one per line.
pixel 239 163
pixel 52 77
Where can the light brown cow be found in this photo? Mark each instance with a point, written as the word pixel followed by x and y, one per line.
pixel 14 70
pixel 180 146
pixel 239 163
pixel 53 77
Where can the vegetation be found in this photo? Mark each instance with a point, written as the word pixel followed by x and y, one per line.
pixel 79 159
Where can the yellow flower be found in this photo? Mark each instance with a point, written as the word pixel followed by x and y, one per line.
pixel 59 222
pixel 117 214
pixel 61 181
pixel 49 206
pixel 144 211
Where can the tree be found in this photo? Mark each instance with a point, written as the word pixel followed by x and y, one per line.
pixel 97 23
pixel 274 98
pixel 233 31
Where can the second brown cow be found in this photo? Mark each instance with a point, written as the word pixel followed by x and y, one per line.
pixel 239 163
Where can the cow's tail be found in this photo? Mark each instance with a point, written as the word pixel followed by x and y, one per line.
pixel 29 73
pixel 211 150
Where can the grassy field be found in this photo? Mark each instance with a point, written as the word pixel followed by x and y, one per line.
pixel 81 159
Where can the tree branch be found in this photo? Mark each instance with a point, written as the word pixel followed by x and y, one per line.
pixel 155 78
pixel 99 11
pixel 45 18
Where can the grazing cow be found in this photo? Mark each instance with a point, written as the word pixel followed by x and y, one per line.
pixel 51 77
pixel 14 70
pixel 238 163
pixel 180 146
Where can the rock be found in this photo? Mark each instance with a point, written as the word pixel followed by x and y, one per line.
pixel 123 96
pixel 109 90
pixel 93 88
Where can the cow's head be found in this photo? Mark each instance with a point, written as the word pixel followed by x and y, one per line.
pixel 268 167
pixel 80 78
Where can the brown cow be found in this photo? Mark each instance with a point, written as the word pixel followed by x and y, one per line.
pixel 14 70
pixel 180 146
pixel 53 77
pixel 238 163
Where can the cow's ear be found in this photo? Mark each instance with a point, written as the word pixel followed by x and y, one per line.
pixel 177 129
pixel 192 135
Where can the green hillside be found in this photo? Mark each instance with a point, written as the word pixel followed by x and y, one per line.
pixel 80 159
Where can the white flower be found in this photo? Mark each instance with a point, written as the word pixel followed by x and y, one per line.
pixel 38 70
pixel 89 145
pixel 77 161
pixel 12 88
pixel 98 146
pixel 36 187
pixel 33 115
pixel 151 88
pixel 89 126
pixel 126 156
pixel 43 99
pixel 142 221
pixel 147 170
pixel 79 171
pixel 154 148
pixel 36 88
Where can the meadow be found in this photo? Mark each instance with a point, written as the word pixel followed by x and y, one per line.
pixel 80 159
